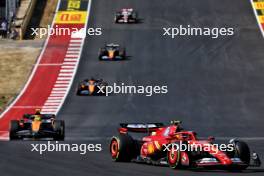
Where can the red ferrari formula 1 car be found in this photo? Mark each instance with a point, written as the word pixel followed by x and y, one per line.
pixel 173 146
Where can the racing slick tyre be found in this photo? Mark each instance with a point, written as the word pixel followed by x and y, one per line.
pixel 122 53
pixel 122 148
pixel 173 157
pixel 14 127
pixel 242 151
pixel 117 17
pixel 134 16
pixel 102 52
pixel 78 92
pixel 59 128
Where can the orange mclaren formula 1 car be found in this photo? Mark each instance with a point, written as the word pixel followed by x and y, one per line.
pixel 173 146
pixel 37 126
pixel 112 52
pixel 91 87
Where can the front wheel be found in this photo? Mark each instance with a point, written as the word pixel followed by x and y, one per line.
pixel 14 127
pixel 242 151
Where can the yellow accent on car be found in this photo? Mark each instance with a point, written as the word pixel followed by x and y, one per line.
pixel 150 148
pixel 157 145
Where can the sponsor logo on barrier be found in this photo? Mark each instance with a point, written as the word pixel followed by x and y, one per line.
pixel 74 5
pixel 261 18
pixel 71 17
pixel 259 5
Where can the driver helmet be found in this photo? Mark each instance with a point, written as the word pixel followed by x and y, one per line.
pixel 37 118
pixel 37 112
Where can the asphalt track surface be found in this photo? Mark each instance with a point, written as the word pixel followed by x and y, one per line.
pixel 215 86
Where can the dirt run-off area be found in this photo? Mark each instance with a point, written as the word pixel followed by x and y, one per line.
pixel 17 58
pixel 16 63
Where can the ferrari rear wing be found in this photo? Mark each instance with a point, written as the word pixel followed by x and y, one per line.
pixel 140 127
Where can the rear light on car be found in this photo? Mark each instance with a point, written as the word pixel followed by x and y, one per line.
pixel 122 130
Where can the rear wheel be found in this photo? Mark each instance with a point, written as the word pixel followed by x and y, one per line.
pixel 122 148
pixel 134 16
pixel 14 127
pixel 59 128
pixel 117 17
pixel 122 53
pixel 102 52
pixel 78 92
pixel 173 157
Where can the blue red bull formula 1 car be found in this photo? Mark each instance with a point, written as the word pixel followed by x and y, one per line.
pixel 162 145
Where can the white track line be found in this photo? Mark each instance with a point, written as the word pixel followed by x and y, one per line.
pixel 73 49
pixel 53 101
pixel 64 78
pixel 70 63
pixel 67 67
pixel 72 56
pixel 48 112
pixel 73 52
pixel 62 82
pixel 66 71
pixel 51 104
pixel 55 98
pixel 57 95
pixel 65 74
pixel 57 92
pixel 75 44
pixel 76 40
pixel 59 88
pixel 70 59
pixel 49 107
pixel 61 85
